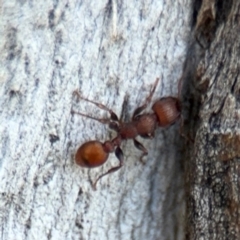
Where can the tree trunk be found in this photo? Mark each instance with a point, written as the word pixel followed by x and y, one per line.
pixel 112 52
pixel 212 160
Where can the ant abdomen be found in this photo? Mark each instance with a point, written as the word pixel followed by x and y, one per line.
pixel 167 110
pixel 91 154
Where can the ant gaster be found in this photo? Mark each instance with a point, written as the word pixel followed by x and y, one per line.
pixel 166 111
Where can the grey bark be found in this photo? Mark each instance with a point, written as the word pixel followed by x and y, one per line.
pixel 110 51
pixel 212 91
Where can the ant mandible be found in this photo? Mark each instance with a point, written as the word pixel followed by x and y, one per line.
pixel 166 111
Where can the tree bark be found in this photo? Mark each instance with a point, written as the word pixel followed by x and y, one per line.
pixel 112 52
pixel 212 160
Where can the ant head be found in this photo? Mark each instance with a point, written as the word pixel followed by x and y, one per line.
pixel 91 154
pixel 167 110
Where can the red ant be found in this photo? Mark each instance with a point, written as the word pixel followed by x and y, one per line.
pixel 166 111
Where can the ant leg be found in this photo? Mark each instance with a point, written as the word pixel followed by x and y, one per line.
pixel 180 83
pixel 119 155
pixel 101 120
pixel 181 133
pixel 181 127
pixel 139 146
pixel 147 101
pixel 113 114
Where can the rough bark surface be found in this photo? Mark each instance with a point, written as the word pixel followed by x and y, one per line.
pixel 111 51
pixel 213 161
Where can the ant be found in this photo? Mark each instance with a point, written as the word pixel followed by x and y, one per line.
pixel 166 111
